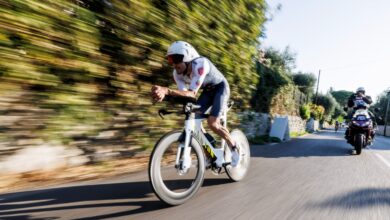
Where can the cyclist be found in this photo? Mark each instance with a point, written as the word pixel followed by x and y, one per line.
pixel 192 73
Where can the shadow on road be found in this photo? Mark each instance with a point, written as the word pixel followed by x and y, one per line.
pixel 323 144
pixel 357 199
pixel 139 195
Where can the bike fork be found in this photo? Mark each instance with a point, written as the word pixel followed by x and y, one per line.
pixel 183 156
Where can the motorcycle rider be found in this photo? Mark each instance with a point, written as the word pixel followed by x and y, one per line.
pixel 359 95
pixel 191 73
pixel 354 102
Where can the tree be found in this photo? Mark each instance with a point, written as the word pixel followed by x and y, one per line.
pixel 341 96
pixel 305 82
pixel 273 75
pixel 338 112
pixel 285 60
pixel 329 103
pixel 381 104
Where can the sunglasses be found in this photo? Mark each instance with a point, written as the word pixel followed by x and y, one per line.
pixel 175 59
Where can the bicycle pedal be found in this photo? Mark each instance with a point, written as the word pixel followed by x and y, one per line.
pixel 226 164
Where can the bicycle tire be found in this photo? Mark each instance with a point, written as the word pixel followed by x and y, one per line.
pixel 160 189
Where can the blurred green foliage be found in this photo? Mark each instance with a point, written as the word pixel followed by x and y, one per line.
pixel 316 111
pixel 80 71
pixel 305 111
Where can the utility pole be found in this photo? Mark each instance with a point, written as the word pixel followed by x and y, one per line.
pixel 318 83
pixel 387 108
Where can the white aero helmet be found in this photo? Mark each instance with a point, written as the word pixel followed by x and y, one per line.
pixel 183 48
pixel 360 89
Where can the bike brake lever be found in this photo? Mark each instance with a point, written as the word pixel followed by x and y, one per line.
pixel 162 112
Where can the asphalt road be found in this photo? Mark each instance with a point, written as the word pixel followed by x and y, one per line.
pixel 311 177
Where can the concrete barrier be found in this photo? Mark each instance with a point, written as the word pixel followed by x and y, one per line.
pixel 381 129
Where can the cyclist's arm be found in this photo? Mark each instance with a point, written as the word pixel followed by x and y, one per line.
pixel 182 90
pixel 201 69
pixel 183 93
pixel 159 92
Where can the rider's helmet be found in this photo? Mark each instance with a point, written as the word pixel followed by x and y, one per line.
pixel 181 51
pixel 361 89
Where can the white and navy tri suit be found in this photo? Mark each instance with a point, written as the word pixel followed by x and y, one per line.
pixel 207 77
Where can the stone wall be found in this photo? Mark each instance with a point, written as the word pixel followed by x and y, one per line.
pixel 254 123
pixel 296 124
pixel 46 157
pixel 257 124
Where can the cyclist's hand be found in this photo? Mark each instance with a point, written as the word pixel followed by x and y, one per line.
pixel 158 93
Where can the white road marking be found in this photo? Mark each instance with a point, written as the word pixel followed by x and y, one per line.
pixel 383 159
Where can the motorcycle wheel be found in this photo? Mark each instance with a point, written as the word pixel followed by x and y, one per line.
pixel 359 143
pixel 168 183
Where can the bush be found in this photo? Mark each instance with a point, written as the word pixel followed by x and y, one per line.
pixel 297 134
pixel 316 111
pixel 329 103
pixel 304 111
pixel 275 139
pixel 263 139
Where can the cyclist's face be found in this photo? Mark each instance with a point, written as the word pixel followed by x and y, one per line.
pixel 179 67
pixel 176 60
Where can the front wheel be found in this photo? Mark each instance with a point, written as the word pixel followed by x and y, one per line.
pixel 169 183
pixel 359 143
pixel 239 172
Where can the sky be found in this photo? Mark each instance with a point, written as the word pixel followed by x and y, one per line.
pixel 348 40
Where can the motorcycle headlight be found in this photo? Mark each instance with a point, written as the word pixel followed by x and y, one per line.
pixel 367 123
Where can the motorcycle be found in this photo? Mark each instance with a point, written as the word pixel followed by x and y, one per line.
pixel 360 131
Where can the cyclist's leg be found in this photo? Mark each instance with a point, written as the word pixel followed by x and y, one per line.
pixel 222 93
pixel 205 100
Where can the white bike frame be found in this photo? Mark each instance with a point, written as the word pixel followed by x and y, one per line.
pixel 193 128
